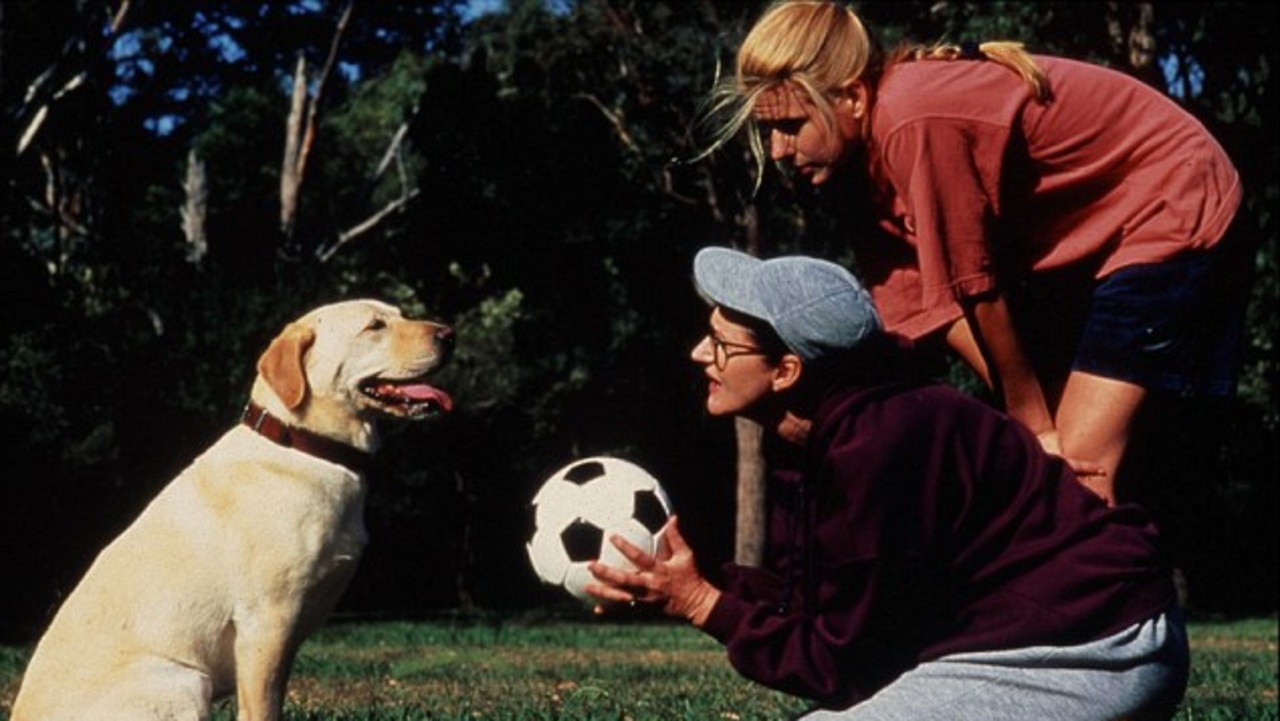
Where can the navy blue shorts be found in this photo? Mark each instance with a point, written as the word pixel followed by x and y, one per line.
pixel 1176 326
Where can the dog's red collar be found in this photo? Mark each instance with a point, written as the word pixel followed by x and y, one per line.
pixel 268 426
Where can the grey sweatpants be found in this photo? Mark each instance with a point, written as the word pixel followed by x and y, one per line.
pixel 1139 674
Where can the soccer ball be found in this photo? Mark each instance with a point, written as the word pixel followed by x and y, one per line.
pixel 580 506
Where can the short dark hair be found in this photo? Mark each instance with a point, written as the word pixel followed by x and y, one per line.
pixel 766 337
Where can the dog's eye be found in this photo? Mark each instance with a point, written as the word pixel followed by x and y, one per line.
pixel 376 324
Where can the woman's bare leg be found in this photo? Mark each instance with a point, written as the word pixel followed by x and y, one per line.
pixel 1094 420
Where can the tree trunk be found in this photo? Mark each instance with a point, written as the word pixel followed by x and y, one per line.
pixel 750 526
pixel 195 209
pixel 301 128
pixel 748 547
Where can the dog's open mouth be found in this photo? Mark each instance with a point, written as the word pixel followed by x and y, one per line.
pixel 411 397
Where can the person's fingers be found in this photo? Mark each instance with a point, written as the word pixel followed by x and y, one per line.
pixel 1051 443
pixel 628 594
pixel 671 534
pixel 1086 468
pixel 632 552
pixel 611 574
pixel 633 585
pixel 607 592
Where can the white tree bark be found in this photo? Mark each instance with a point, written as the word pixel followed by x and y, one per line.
pixel 195 209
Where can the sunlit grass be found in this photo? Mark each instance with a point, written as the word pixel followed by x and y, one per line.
pixel 558 670
pixel 1233 671
pixel 562 670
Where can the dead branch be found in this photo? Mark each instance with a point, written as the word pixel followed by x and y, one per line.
pixel 394 153
pixel 35 90
pixel 616 118
pixel 350 234
pixel 195 209
pixel 290 173
pixel 117 20
pixel 304 114
pixel 313 106
pixel 393 148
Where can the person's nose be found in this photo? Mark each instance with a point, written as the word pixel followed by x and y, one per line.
pixel 780 145
pixel 702 353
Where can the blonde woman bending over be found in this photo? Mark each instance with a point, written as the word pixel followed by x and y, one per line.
pixel 992 172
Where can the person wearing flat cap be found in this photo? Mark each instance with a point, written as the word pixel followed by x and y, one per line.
pixel 925 557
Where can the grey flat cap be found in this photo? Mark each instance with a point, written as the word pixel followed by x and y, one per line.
pixel 816 307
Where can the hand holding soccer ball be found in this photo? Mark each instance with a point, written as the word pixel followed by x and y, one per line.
pixel 669 578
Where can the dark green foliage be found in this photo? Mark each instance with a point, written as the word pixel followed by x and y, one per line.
pixel 556 213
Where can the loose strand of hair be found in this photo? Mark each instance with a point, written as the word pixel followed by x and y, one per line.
pixel 729 112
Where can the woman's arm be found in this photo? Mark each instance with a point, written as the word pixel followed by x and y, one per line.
pixel 988 341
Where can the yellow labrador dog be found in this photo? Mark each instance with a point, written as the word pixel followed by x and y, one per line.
pixel 216 584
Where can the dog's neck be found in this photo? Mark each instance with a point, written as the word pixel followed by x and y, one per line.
pixel 278 431
pixel 320 416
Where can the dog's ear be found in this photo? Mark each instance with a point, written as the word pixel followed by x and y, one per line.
pixel 281 366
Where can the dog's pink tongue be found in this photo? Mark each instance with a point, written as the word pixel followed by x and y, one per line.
pixel 421 393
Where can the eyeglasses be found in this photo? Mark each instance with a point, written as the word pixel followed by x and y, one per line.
pixel 721 351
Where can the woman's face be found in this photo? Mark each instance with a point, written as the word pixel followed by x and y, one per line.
pixel 739 374
pixel 797 131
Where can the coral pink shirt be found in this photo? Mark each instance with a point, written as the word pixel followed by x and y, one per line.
pixel 977 183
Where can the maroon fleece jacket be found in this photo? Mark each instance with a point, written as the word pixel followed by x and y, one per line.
pixel 918 522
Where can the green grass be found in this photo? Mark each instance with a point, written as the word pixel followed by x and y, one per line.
pixel 1233 672
pixel 559 670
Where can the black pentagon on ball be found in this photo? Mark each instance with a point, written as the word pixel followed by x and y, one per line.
pixel 584 472
pixel 649 511
pixel 582 541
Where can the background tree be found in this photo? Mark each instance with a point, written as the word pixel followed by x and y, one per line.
pixel 526 175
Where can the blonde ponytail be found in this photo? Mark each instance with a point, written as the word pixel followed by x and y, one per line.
pixel 1012 55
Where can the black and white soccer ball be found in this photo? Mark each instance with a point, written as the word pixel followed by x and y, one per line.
pixel 580 506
